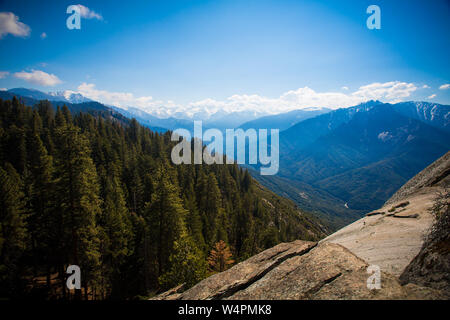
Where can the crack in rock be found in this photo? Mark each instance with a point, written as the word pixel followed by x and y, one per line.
pixel 320 285
pixel 239 286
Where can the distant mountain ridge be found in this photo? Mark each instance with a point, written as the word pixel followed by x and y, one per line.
pixel 170 121
pixel 283 121
pixel 32 97
pixel 434 114
pixel 220 120
pixel 66 95
pixel 362 154
pixel 161 122
pixel 340 163
pixel 311 129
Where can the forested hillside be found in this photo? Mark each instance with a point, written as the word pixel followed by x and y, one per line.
pixel 103 194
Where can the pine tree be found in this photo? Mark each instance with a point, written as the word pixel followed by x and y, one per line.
pixel 135 186
pixel 79 203
pixel 164 215
pixel 116 234
pixel 212 207
pixel 220 257
pixel 187 264
pixel 60 120
pixel 246 181
pixel 13 231
pixel 193 219
pixel 223 225
pixel 46 113
pixel 134 272
pixel 41 220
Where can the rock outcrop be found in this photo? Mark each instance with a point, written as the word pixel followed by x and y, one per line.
pixel 389 239
pixel 300 270
pixel 329 271
pixel 392 236
pixel 430 268
pixel 242 275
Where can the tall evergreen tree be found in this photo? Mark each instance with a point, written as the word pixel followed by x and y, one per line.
pixel 193 219
pixel 116 234
pixel 79 202
pixel 41 221
pixel 212 208
pixel 187 264
pixel 165 216
pixel 13 231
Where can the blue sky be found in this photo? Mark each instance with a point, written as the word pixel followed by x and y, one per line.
pixel 268 55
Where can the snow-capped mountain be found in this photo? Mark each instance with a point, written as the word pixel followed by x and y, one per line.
pixel 64 96
pixel 198 112
pixel 70 96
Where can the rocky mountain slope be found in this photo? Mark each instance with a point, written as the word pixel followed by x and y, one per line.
pixel 336 267
pixel 431 267
pixel 300 270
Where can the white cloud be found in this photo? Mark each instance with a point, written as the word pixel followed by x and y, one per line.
pixel 445 86
pixel 38 77
pixel 87 13
pixel 3 74
pixel 432 96
pixel 43 35
pixel 301 98
pixel 393 91
pixel 384 136
pixel 307 97
pixel 3 89
pixel 344 88
pixel 425 86
pixel 10 24
pixel 119 99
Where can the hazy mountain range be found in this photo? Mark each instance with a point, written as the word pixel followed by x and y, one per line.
pixel 362 154
pixel 339 163
pixel 283 121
